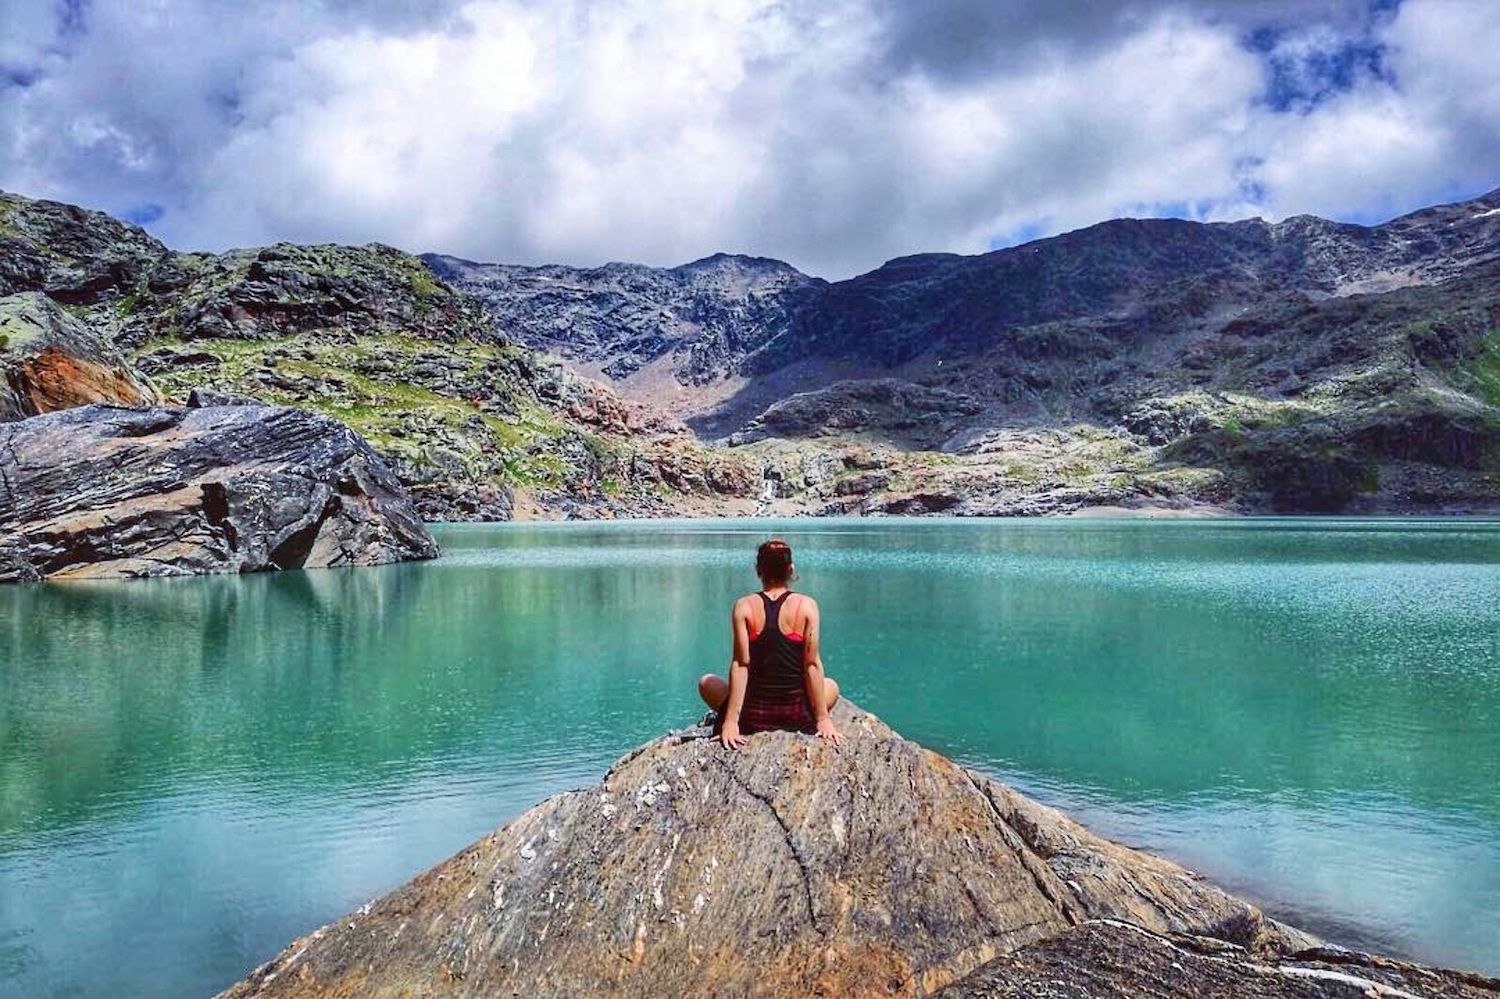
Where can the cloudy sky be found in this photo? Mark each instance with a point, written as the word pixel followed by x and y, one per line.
pixel 832 134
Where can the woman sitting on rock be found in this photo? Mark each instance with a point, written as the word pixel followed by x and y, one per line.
pixel 776 678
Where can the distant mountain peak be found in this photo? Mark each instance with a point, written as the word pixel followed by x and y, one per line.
pixel 745 261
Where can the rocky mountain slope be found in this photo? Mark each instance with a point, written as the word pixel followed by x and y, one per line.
pixel 700 320
pixel 1303 365
pixel 474 423
pixel 792 868
pixel 1135 278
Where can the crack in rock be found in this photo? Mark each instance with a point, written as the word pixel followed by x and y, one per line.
pixel 786 831
pixel 1024 854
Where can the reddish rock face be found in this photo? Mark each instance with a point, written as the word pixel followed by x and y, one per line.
pixel 50 360
pixel 54 380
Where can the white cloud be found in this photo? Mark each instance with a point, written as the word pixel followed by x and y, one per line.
pixel 1385 146
pixel 832 135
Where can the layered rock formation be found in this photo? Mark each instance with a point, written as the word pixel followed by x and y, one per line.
pixel 792 868
pixel 1108 959
pixel 101 491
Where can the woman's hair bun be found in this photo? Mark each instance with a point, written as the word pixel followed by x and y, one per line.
pixel 773 562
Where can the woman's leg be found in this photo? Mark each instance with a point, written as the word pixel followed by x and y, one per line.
pixel 830 692
pixel 714 690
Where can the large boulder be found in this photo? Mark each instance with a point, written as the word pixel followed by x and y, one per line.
pixel 50 360
pixel 789 868
pixel 101 491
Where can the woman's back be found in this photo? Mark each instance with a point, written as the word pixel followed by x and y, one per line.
pixel 778 645
pixel 776 678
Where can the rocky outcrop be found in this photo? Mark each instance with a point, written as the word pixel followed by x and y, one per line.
pixel 102 491
pixel 792 868
pixel 287 290
pixel 915 416
pixel 50 360
pixel 476 426
pixel 73 255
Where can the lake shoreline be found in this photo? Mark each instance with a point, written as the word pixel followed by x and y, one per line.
pixel 1101 513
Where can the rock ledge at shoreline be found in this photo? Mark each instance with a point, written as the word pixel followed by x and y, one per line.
pixel 791 868
pixel 109 491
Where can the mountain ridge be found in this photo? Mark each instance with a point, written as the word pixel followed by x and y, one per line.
pixel 1304 253
pixel 1300 357
pixel 1249 366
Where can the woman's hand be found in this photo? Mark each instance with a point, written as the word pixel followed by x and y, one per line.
pixel 826 730
pixel 729 735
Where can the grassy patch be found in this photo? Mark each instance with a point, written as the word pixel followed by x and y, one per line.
pixel 1484 371
pixel 1022 472
pixel 423 284
pixel 128 305
pixel 1203 484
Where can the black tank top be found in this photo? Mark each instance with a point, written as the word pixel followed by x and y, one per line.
pixel 775 659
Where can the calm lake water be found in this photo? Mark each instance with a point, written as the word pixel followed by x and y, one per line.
pixel 192 772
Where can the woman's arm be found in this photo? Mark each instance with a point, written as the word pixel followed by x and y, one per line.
pixel 812 676
pixel 739 677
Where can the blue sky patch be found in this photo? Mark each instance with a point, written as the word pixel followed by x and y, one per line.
pixel 1020 234
pixel 1301 81
pixel 1301 77
pixel 144 214
pixel 71 17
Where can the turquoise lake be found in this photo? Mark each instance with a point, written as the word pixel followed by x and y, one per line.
pixel 193 772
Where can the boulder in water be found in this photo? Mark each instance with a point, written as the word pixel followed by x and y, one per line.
pixel 100 491
pixel 791 868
